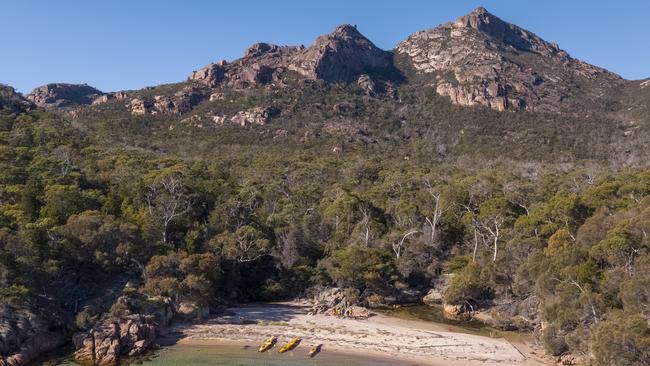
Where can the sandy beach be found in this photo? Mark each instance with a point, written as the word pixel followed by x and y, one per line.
pixel 413 341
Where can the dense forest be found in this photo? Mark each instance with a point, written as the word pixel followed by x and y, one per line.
pixel 268 221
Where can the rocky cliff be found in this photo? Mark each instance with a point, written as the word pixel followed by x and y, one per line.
pixel 61 95
pixel 480 59
pixel 29 328
pixel 342 55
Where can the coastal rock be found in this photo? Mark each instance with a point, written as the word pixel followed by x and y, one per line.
pixel 191 310
pixel 481 60
pixel 29 329
pixel 105 343
pixel 433 297
pixel 255 116
pixel 61 95
pixel 329 297
pixel 436 293
pixel 520 315
pixel 453 311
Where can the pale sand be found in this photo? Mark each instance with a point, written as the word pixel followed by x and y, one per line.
pixel 378 336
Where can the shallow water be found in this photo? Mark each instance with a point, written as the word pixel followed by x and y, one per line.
pixel 200 355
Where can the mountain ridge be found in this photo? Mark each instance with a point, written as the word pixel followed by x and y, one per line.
pixel 477 59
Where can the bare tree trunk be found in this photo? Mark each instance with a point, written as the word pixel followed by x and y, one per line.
pixel 475 245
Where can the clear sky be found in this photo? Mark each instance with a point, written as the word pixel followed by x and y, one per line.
pixel 129 44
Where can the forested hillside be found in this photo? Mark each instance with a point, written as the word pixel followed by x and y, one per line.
pixel 263 223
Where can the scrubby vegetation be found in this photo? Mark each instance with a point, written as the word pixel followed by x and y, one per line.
pixel 231 214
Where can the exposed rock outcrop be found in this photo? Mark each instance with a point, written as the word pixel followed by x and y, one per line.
pixel 27 330
pixel 436 293
pixel 140 107
pixel 255 116
pixel 481 60
pixel 61 95
pixel 342 55
pixel 210 75
pixel 106 343
pixel 180 102
pixel 129 333
pixel 11 100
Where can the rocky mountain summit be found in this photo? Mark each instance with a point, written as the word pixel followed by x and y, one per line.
pixel 62 95
pixel 342 55
pixel 480 59
pixel 476 60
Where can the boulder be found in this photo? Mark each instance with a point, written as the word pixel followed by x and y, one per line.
pixel 440 285
pixel 329 297
pixel 191 310
pixel 453 311
pixel 433 297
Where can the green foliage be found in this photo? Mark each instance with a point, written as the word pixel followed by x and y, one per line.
pixel 622 339
pixel 265 212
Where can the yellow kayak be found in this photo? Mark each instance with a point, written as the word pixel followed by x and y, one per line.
pixel 268 344
pixel 314 350
pixel 289 346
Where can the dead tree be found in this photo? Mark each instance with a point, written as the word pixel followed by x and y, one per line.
pixel 399 245
pixel 166 200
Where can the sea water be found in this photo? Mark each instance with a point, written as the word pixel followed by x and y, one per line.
pixel 215 355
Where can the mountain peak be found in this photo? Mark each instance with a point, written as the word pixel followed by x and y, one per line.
pixel 481 59
pixel 346 30
pixel 483 21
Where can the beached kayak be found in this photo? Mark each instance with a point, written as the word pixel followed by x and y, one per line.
pixel 268 344
pixel 314 350
pixel 289 346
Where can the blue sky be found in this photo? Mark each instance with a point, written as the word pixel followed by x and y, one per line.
pixel 119 44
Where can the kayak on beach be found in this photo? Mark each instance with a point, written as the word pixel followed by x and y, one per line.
pixel 314 350
pixel 290 345
pixel 268 344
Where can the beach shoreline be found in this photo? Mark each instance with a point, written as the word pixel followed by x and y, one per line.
pixel 381 337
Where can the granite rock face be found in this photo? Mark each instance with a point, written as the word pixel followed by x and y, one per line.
pixel 61 95
pixel 107 342
pixel 177 103
pixel 342 55
pixel 480 59
pixel 255 116
pixel 30 329
pixel 11 100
